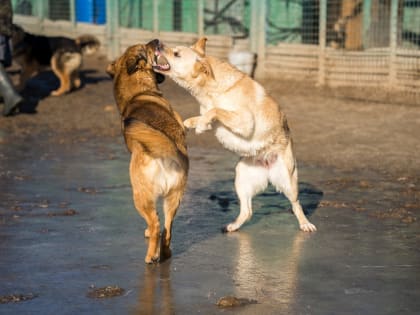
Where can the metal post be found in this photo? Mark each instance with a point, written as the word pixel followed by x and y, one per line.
pixel 393 44
pixel 253 32
pixel 322 41
pixel 200 18
pixel 73 13
pixel 156 18
pixel 257 35
pixel 367 37
pixel 112 28
pixel 42 9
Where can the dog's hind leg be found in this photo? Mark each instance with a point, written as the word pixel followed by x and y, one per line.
pixel 170 206
pixel 284 176
pixel 146 208
pixel 63 65
pixel 75 79
pixel 250 179
pixel 145 203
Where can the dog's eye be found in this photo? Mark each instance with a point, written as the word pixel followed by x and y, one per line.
pixel 177 54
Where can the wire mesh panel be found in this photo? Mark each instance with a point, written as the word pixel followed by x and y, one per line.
pixel 333 42
pixel 409 37
pixel 25 7
pixel 178 16
pixel 227 17
pixel 175 15
pixel 136 14
pixel 358 24
pixel 292 21
pixel 292 36
pixel 407 56
pixel 59 10
pixel 358 51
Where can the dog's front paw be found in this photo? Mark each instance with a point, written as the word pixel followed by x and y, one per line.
pixel 202 126
pixel 191 123
pixel 231 227
pixel 308 227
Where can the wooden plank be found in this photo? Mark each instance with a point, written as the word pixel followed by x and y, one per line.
pixel 408 53
pixel 361 71
pixel 336 83
pixel 311 65
pixel 357 63
pixel 292 59
pixel 302 51
pixel 349 59
pixel 290 71
pixel 375 79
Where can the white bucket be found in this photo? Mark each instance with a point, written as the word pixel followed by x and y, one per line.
pixel 243 60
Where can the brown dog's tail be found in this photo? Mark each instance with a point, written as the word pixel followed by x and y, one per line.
pixel 88 44
pixel 154 142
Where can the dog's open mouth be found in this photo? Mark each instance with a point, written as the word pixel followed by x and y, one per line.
pixel 160 62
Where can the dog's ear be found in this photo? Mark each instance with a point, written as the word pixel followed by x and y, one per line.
pixel 200 47
pixel 159 77
pixel 202 67
pixel 132 63
pixel 110 69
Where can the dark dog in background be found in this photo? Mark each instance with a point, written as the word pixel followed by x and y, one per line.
pixel 64 55
pixel 155 136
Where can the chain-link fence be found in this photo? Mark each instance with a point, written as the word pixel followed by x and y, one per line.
pixel 330 42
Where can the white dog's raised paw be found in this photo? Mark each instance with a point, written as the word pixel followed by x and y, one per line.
pixel 308 227
pixel 191 123
pixel 200 128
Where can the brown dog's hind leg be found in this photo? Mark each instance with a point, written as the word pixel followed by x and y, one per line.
pixel 170 207
pixel 145 203
pixel 147 210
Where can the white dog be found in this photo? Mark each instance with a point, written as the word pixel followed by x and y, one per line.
pixel 246 121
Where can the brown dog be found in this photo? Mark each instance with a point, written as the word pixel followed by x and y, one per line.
pixel 155 136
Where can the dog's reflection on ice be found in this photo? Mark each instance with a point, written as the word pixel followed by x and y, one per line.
pixel 155 291
pixel 263 269
pixel 268 277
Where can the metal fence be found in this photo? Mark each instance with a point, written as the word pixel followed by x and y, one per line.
pixel 328 42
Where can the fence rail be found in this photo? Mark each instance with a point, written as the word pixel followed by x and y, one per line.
pixel 329 42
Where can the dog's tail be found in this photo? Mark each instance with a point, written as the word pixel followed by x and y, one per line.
pixel 154 142
pixel 88 44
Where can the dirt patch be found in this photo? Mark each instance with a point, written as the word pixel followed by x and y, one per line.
pixel 232 301
pixel 105 292
pixel 16 298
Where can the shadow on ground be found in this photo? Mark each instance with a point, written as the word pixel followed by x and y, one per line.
pixel 42 84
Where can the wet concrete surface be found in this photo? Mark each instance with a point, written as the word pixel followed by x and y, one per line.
pixel 68 227
pixel 71 241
